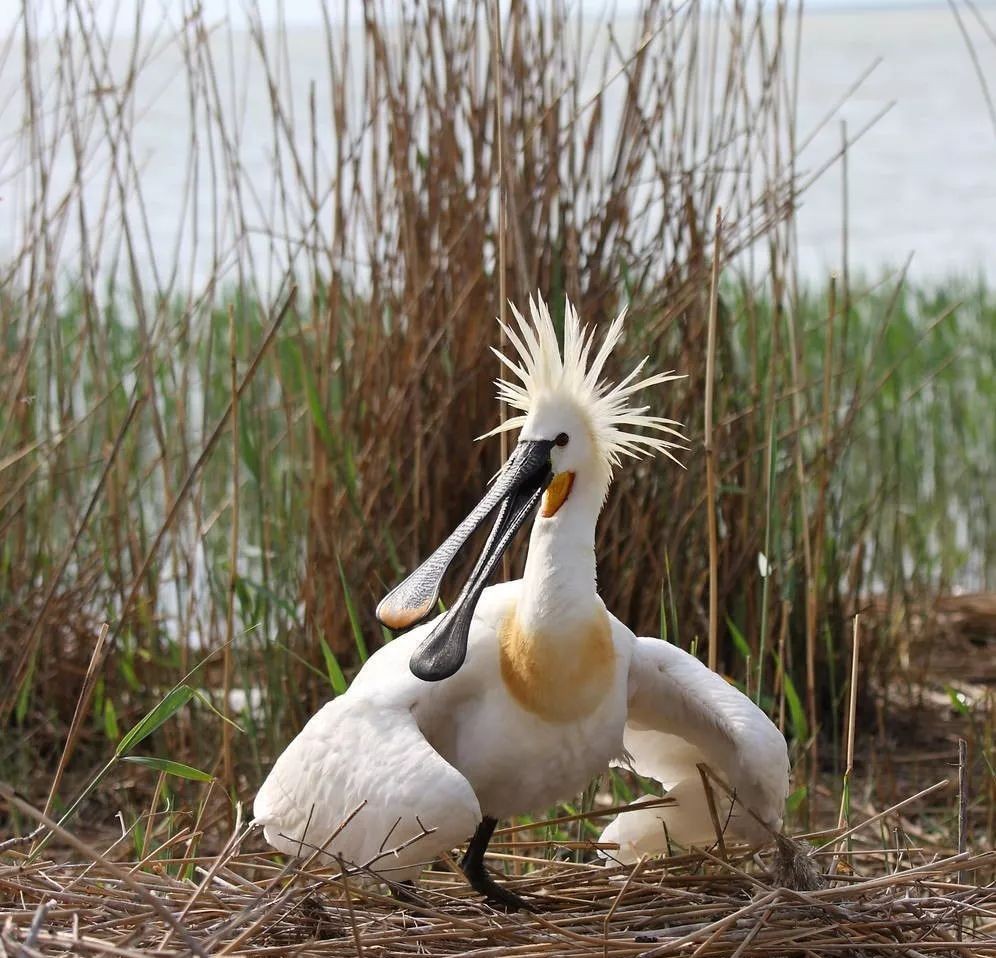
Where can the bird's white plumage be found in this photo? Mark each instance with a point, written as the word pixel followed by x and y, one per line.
pixel 380 744
pixel 682 715
pixel 368 765
pixel 552 688
pixel 394 744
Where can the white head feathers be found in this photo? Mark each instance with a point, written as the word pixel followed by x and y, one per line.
pixel 543 374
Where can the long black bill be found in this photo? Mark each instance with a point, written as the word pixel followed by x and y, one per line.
pixel 444 649
pixel 517 490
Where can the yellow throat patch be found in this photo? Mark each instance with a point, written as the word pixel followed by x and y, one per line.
pixel 556 494
pixel 559 680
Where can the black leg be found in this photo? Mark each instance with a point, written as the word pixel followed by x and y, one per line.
pixel 405 892
pixel 473 867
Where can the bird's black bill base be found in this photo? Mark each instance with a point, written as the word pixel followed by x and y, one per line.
pixel 472 865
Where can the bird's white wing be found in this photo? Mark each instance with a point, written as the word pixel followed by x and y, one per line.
pixel 368 757
pixel 682 714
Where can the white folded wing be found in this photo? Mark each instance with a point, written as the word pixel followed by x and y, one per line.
pixel 367 757
pixel 682 714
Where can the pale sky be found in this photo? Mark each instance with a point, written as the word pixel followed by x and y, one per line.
pixel 306 12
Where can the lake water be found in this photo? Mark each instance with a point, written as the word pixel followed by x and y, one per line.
pixel 922 180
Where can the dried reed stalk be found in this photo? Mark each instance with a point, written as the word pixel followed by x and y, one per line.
pixel 241 900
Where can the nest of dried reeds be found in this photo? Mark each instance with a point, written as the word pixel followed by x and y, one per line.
pixel 696 904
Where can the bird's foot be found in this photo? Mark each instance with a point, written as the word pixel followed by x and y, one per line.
pixel 494 894
pixel 405 892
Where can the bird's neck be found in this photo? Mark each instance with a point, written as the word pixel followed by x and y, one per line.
pixel 559 581
pixel 556 650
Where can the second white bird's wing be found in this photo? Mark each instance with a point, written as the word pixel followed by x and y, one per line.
pixel 681 714
pixel 368 757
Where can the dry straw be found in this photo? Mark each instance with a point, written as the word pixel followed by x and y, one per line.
pixel 241 902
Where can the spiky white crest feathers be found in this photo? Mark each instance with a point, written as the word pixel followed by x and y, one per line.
pixel 544 373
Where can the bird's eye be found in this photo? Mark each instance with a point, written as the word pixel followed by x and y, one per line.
pixel 562 439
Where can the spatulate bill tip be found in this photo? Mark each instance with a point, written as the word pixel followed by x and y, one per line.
pixel 444 651
pixel 398 616
pixel 429 669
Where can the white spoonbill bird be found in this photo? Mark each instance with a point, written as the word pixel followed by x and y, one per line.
pixel 523 692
